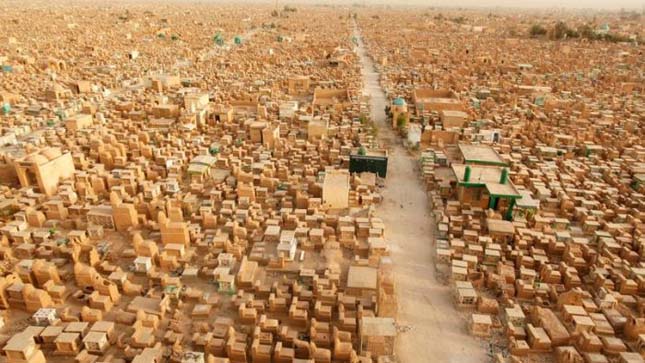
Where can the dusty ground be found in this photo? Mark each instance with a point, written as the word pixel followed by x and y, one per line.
pixel 437 332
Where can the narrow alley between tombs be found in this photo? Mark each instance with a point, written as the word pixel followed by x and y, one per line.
pixel 425 306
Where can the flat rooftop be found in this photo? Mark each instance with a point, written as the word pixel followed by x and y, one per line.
pixel 378 327
pixel 336 179
pixel 488 177
pixel 361 277
pixel 481 154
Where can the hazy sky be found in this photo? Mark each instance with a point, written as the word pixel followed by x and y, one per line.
pixel 546 4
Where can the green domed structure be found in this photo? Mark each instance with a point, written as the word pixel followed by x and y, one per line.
pixel 398 101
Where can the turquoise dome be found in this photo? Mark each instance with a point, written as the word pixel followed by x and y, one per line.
pixel 399 101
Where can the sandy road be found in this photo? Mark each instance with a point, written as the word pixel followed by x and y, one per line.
pixel 437 332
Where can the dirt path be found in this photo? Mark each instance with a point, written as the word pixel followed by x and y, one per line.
pixel 437 331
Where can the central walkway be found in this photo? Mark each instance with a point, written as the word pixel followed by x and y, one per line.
pixel 437 332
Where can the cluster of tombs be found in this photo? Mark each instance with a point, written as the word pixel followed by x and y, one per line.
pixel 533 157
pixel 186 195
pixel 197 184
